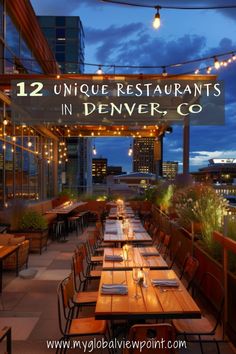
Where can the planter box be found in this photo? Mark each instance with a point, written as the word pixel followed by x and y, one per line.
pixel 38 239
pixel 209 264
pixel 206 264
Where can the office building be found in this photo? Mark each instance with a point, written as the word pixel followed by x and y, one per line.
pixel 169 169
pixel 65 36
pixel 147 155
pixel 114 170
pixel 99 170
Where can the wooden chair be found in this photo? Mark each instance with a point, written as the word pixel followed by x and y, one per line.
pixel 174 254
pixel 78 299
pixel 70 326
pixel 151 332
pixel 203 327
pixel 189 270
pixel 165 245
pixel 83 273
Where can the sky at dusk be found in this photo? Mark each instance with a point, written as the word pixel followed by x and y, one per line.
pixel 116 34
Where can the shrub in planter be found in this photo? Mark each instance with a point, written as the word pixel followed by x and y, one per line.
pixel 202 206
pixel 34 227
pixel 32 221
pixel 164 197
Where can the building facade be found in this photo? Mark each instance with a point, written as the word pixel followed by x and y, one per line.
pixel 65 36
pixel 170 169
pixel 28 156
pixel 99 170
pixel 218 171
pixel 114 170
pixel 147 155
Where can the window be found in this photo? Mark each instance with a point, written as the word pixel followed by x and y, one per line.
pixel 60 21
pixel 60 57
pixel 60 33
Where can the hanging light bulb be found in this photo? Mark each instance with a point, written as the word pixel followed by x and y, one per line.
pixel 157 19
pixel 29 143
pixel 196 71
pixel 164 72
pixel 208 70
pixel 216 63
pixel 13 138
pixel 99 71
pixel 233 56
pixel 94 150
pixel 130 151
pixel 5 121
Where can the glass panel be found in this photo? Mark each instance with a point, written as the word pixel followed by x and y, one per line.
pixel 60 21
pixel 60 33
pixel 49 32
pixel 71 33
pixel 47 21
pixel 12 36
pixel 71 21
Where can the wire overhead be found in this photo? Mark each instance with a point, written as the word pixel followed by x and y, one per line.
pixel 170 7
pixel 157 18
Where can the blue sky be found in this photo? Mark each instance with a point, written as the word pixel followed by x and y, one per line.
pixel 124 35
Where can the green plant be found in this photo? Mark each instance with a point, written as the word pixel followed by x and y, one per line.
pixel 70 194
pixel 231 232
pixel 32 221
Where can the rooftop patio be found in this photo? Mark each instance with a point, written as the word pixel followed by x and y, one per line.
pixel 29 306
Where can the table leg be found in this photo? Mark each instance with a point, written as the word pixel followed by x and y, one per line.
pixel 17 262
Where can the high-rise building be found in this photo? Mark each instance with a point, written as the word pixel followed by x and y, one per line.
pixel 99 170
pixel 65 36
pixel 147 155
pixel 170 169
pixel 114 170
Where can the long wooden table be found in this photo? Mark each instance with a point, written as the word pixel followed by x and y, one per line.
pixel 114 233
pixel 154 303
pixel 65 208
pixel 6 251
pixel 135 259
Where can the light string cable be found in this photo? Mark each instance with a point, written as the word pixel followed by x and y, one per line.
pixel 218 60
pixel 157 18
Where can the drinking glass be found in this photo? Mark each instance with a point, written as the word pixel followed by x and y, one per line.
pixel 135 275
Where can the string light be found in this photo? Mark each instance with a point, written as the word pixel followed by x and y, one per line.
pixel 130 151
pixel 99 71
pixel 5 121
pixel 94 150
pixel 171 65
pixel 164 72
pixel 216 63
pixel 157 19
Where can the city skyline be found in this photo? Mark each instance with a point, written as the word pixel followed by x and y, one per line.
pixel 116 34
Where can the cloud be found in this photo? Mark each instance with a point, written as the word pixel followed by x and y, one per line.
pixel 107 40
pixel 201 158
pixel 49 7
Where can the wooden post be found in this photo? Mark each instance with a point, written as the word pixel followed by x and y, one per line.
pixel 192 236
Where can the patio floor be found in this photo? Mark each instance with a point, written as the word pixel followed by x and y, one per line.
pixel 30 306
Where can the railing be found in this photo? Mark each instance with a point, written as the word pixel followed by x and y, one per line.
pixel 6 333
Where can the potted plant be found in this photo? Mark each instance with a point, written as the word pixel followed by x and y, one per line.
pixel 34 227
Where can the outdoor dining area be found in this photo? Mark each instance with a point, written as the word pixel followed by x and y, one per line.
pixel 126 270
pixel 132 275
